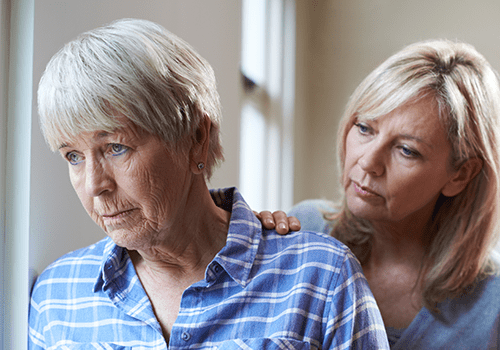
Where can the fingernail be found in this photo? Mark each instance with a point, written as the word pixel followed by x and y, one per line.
pixel 282 226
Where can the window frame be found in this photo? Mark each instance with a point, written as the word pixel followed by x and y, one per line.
pixel 271 94
pixel 17 18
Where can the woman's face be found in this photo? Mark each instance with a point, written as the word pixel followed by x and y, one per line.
pixel 397 165
pixel 128 182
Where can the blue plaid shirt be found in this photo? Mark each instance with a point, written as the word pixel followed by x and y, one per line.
pixel 261 291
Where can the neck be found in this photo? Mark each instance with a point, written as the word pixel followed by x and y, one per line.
pixel 394 271
pixel 193 239
pixel 404 242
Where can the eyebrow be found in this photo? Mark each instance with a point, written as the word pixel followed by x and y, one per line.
pixel 97 135
pixel 415 138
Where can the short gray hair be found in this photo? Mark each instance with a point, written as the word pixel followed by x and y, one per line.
pixel 135 68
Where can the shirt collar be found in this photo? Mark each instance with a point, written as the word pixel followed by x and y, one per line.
pixel 236 257
pixel 113 258
pixel 244 235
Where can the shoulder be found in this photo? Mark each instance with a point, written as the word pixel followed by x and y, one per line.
pixel 479 302
pixel 90 255
pixel 310 214
pixel 472 319
pixel 301 247
pixel 332 280
pixel 315 204
pixel 488 290
pixel 78 266
pixel 320 257
pixel 314 259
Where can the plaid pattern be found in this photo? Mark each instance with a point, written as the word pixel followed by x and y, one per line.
pixel 261 291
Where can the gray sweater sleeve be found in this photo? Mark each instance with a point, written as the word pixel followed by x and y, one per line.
pixel 310 214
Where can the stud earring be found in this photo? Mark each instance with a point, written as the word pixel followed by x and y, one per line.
pixel 201 165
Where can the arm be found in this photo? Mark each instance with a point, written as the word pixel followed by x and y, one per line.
pixel 354 320
pixel 36 339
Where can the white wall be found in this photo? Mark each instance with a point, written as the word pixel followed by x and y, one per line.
pixel 340 41
pixel 58 222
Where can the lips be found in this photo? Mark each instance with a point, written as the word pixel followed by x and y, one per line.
pixel 117 214
pixel 364 191
pixel 116 219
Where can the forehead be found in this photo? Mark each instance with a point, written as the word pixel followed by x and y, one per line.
pixel 418 121
pixel 422 115
pixel 125 129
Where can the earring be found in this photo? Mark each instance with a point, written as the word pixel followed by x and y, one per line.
pixel 201 165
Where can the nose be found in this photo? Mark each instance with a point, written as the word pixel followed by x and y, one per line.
pixel 372 160
pixel 98 180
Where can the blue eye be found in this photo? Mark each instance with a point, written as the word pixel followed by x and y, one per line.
pixel 408 152
pixel 363 128
pixel 74 158
pixel 118 149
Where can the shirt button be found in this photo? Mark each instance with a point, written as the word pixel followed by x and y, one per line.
pixel 185 336
pixel 217 268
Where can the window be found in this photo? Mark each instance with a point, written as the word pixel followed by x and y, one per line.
pixel 267 67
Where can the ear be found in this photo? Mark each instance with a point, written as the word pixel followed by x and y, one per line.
pixel 462 177
pixel 199 148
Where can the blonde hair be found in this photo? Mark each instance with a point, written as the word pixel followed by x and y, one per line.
pixel 466 90
pixel 133 68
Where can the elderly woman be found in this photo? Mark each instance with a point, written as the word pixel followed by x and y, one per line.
pixel 135 113
pixel 419 157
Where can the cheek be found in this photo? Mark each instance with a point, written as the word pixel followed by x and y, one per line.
pixel 156 188
pixel 78 182
pixel 353 146
pixel 86 201
pixel 77 179
pixel 350 158
pixel 406 189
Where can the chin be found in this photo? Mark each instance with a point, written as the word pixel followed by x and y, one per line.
pixel 363 210
pixel 126 239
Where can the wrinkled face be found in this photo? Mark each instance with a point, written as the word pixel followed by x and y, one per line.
pixel 128 182
pixel 397 165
